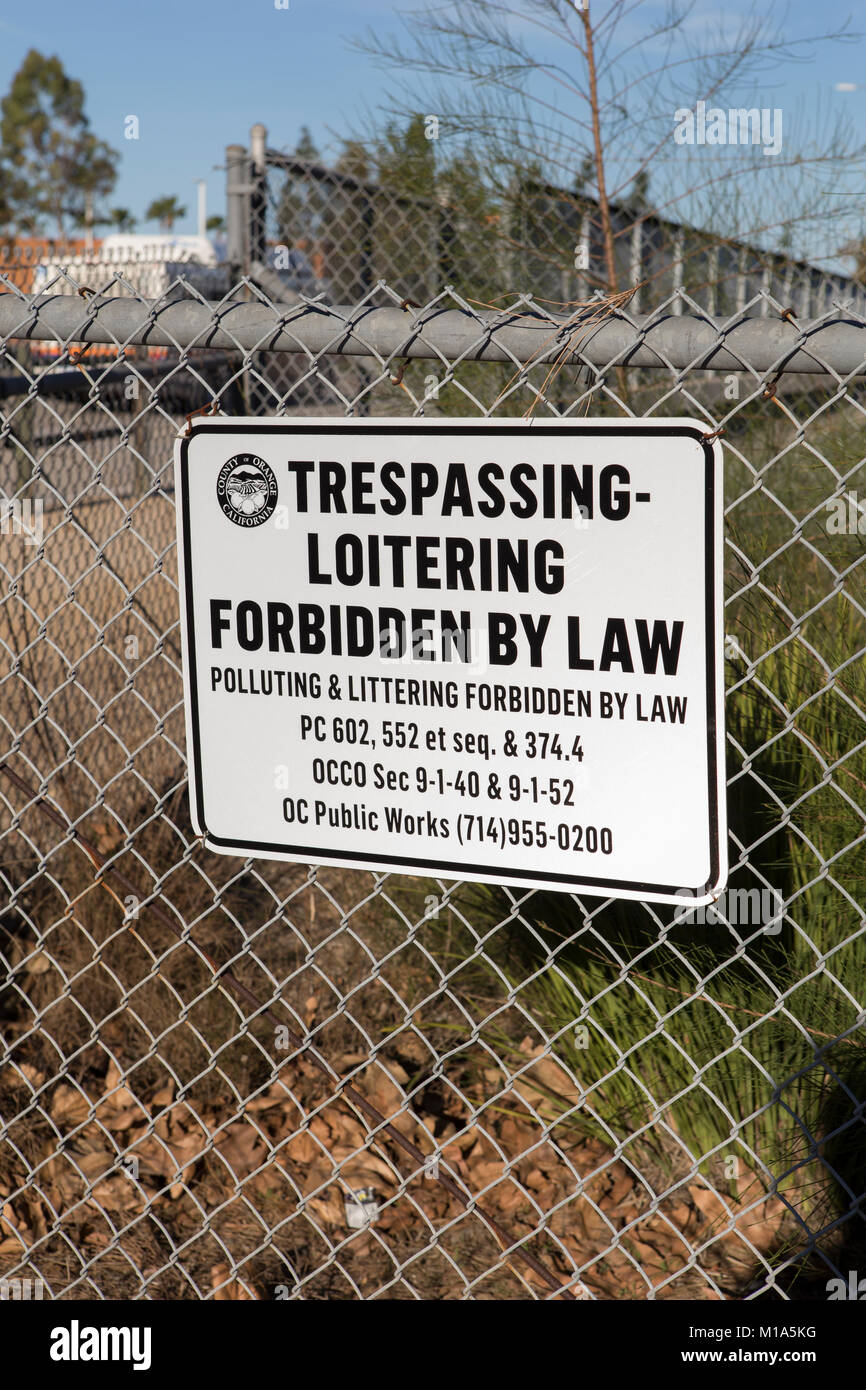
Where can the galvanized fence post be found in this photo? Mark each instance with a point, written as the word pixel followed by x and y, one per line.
pixel 237 210
pixel 258 194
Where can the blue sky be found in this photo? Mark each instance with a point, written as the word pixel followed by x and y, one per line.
pixel 198 73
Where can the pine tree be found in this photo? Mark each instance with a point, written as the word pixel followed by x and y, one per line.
pixel 52 167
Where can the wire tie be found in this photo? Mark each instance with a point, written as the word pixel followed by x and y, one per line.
pixel 76 354
pixel 769 391
pixel 211 409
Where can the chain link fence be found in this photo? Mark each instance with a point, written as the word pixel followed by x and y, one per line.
pixel 326 231
pixel 248 1079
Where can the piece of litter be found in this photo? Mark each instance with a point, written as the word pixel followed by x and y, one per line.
pixel 362 1208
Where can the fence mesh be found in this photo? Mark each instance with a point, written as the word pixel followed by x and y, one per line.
pixel 335 233
pixel 249 1079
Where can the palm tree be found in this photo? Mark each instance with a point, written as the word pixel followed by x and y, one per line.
pixel 121 219
pixel 166 211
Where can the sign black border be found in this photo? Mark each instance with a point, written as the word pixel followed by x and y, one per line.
pixel 310 854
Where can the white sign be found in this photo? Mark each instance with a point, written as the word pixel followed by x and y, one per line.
pixel 479 649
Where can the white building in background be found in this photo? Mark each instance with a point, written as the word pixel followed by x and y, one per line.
pixel 164 266
pixel 140 264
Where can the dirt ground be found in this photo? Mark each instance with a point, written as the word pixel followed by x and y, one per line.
pixel 162 1141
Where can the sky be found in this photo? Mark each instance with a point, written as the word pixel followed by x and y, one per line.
pixel 199 73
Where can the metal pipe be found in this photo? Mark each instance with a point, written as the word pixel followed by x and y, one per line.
pixel 259 194
pixel 202 207
pixel 679 342
pixel 258 147
pixel 237 217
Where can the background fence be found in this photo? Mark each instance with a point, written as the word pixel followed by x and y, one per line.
pixel 341 235
pixel 250 1079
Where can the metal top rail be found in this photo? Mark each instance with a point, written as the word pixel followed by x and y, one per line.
pixel 596 336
